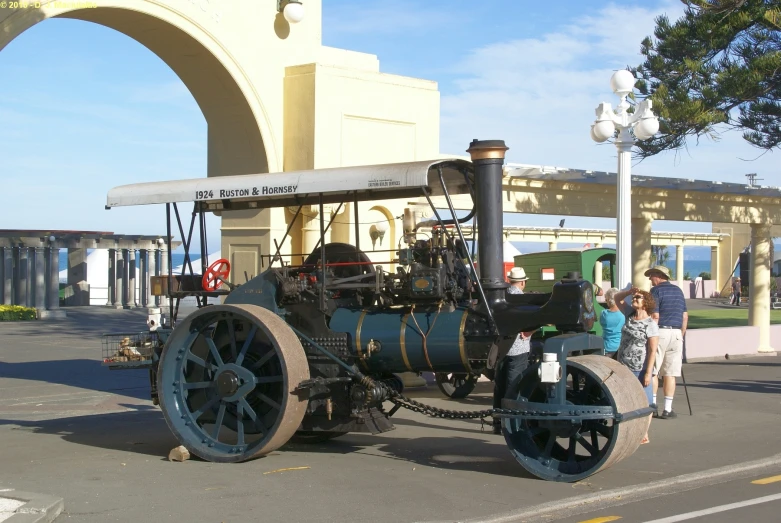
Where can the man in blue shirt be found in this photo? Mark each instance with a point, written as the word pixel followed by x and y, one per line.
pixel 672 317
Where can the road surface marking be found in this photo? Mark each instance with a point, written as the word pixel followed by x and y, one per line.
pixel 601 520
pixel 716 510
pixel 765 481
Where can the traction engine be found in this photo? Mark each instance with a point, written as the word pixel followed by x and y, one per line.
pixel 310 352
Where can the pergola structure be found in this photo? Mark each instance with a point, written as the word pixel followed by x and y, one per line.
pixel 537 189
pixel 597 237
pixel 31 265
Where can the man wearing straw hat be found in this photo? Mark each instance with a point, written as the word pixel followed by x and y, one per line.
pixel 672 317
pixel 511 367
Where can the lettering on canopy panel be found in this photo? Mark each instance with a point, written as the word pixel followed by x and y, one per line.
pixel 383 182
pixel 244 192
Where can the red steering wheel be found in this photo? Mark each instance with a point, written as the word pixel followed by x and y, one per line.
pixel 215 274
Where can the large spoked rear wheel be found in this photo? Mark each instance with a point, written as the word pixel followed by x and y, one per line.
pixel 562 450
pixel 455 385
pixel 226 382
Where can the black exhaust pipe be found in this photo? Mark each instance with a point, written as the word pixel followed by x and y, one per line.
pixel 488 159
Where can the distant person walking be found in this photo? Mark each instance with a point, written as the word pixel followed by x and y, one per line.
pixel 639 338
pixel 671 315
pixel 511 367
pixel 612 321
pixel 735 292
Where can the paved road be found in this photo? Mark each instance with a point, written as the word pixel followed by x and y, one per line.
pixel 754 499
pixel 73 429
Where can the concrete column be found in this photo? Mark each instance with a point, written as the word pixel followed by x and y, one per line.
pixel 40 279
pixel 54 278
pixel 153 270
pixel 310 229
pixel 715 267
pixel 112 275
pixel 8 275
pixel 131 279
pixel 119 287
pixel 553 246
pixel 164 271
pixel 77 266
pixel 22 277
pixel 641 251
pixel 53 310
pixel 143 278
pixel 679 264
pixel 125 278
pixel 759 286
pixel 30 277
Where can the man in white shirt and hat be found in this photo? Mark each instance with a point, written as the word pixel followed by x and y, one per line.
pixel 511 367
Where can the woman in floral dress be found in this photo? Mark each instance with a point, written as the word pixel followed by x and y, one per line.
pixel 639 338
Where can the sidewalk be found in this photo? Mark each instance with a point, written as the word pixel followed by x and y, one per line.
pixel 72 429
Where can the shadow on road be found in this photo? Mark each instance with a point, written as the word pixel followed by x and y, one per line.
pixel 141 431
pixel 82 373
pixel 762 387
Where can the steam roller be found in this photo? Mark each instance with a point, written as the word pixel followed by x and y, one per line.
pixel 311 352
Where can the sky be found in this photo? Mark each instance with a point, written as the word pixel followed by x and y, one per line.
pixel 85 108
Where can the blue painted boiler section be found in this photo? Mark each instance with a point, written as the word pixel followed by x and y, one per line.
pixel 401 334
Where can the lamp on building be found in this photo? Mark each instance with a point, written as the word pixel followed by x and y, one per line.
pixel 645 124
pixel 377 232
pixel 292 10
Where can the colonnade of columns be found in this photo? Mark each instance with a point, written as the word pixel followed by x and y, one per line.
pixel 128 285
pixel 30 278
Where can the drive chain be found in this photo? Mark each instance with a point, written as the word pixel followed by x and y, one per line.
pixel 415 406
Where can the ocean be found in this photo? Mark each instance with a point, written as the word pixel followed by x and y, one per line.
pixel 693 267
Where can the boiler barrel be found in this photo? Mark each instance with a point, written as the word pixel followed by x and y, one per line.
pixel 401 335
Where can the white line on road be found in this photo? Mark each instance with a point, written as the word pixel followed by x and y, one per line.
pixel 716 510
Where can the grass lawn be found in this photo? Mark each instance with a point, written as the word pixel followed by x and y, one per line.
pixel 737 317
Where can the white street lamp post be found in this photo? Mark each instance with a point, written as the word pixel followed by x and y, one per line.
pixel 645 125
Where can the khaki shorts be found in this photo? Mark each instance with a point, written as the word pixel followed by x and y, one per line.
pixel 669 353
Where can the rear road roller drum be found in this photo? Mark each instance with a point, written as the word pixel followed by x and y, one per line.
pixel 570 450
pixel 226 382
pixel 456 385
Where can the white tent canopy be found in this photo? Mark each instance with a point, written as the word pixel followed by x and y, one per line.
pixel 509 252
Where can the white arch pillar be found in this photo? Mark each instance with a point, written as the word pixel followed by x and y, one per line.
pixel 759 286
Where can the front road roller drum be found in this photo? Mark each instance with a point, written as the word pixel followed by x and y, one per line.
pixel 226 382
pixel 572 449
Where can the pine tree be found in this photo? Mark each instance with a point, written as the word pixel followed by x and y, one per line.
pixel 717 66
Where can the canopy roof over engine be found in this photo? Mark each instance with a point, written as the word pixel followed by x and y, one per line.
pixel 369 182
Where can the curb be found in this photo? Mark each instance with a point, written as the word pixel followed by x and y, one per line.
pixel 621 496
pixel 39 508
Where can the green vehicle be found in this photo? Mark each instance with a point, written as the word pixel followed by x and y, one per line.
pixel 546 268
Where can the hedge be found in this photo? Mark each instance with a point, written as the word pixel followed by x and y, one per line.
pixel 16 313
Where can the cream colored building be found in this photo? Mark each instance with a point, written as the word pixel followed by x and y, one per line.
pixel 274 99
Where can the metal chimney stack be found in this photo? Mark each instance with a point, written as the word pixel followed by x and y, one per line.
pixel 488 159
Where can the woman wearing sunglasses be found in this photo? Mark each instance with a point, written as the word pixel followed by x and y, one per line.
pixel 639 338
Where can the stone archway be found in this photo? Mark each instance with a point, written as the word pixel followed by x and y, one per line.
pixel 237 122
